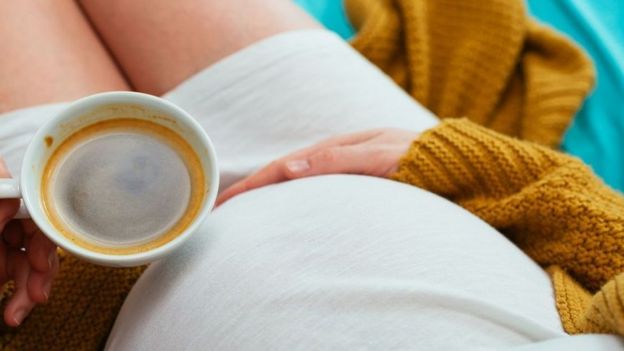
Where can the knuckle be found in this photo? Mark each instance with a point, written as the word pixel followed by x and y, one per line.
pixel 282 167
pixel 327 156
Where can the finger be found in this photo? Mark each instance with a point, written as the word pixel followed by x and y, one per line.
pixel 4 170
pixel 344 140
pixel 40 283
pixel 273 173
pixel 8 209
pixel 354 159
pixel 20 304
pixel 345 159
pixel 41 252
pixel 229 193
pixel 340 140
pixel 29 227
pixel 4 275
pixel 13 235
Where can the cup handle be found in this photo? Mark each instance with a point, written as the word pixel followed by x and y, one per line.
pixel 10 189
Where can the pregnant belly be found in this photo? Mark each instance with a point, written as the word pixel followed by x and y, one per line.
pixel 339 262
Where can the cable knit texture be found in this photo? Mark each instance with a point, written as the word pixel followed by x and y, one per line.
pixel 485 60
pixel 482 59
pixel 549 204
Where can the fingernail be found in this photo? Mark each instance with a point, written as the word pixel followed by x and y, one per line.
pixel 297 166
pixel 51 259
pixel 19 316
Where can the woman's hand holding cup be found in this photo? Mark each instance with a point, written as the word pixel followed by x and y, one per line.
pixel 27 257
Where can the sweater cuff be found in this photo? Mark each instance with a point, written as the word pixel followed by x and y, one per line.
pixel 461 158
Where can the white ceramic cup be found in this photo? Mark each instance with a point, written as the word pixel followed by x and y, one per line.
pixel 96 108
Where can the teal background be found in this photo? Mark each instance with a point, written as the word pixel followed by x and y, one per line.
pixel 330 13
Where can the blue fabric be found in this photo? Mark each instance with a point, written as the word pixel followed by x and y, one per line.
pixel 597 133
pixel 331 14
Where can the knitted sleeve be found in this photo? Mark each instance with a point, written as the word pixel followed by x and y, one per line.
pixel 549 204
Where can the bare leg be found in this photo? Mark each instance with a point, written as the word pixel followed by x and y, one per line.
pixel 50 54
pixel 159 43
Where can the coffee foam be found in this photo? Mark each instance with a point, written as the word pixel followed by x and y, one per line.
pixel 123 186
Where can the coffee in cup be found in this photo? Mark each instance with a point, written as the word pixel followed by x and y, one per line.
pixel 122 186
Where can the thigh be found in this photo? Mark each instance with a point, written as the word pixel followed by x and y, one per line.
pixel 159 43
pixel 50 54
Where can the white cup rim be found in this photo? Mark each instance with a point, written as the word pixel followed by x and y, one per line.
pixel 32 199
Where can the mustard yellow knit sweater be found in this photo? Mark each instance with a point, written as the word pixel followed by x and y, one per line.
pixel 481 59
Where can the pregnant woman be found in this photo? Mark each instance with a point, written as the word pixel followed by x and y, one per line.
pixel 337 261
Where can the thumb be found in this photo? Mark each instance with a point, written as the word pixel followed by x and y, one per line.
pixel 345 159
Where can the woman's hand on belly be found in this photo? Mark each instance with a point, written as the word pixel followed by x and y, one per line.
pixel 375 153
